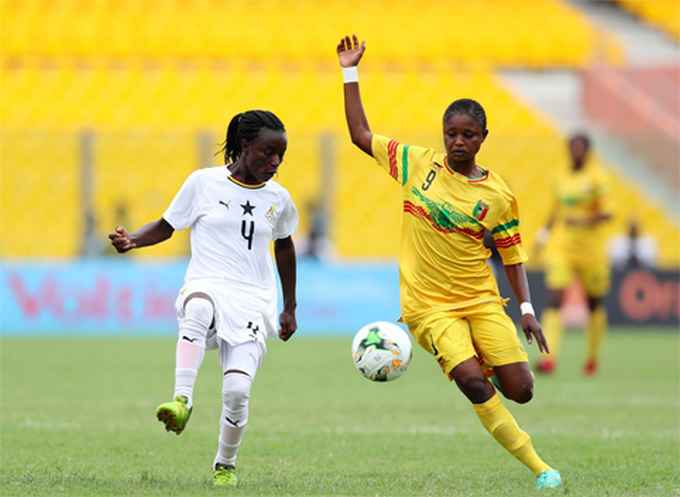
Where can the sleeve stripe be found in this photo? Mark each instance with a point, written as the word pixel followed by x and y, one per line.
pixel 404 165
pixel 505 227
pixel 392 156
pixel 509 241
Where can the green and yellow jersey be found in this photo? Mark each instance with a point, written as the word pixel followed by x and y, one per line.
pixel 580 195
pixel 443 258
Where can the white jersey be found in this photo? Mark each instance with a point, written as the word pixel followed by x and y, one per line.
pixel 232 225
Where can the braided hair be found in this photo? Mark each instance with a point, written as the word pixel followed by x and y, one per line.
pixel 246 126
pixel 470 107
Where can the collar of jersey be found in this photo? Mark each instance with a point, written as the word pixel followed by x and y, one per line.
pixel 245 185
pixel 445 165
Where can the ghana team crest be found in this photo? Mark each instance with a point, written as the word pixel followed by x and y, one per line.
pixel 270 215
pixel 480 210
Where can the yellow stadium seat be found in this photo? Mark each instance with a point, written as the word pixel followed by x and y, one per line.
pixel 147 117
pixel 40 192
pixel 508 33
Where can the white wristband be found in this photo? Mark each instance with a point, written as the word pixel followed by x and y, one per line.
pixel 527 308
pixel 350 74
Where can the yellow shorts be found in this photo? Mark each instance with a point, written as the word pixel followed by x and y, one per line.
pixel 594 277
pixel 484 331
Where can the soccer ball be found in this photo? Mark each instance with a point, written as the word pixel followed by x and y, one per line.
pixel 381 351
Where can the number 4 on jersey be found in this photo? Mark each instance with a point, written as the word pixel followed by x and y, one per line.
pixel 247 231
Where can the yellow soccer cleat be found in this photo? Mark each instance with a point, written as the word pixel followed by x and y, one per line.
pixel 174 414
pixel 225 476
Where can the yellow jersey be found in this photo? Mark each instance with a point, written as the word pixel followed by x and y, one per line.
pixel 442 263
pixel 581 194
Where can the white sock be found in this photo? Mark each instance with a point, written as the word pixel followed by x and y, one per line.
pixel 235 395
pixel 193 329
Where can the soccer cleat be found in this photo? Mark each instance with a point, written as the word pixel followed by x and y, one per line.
pixel 174 414
pixel 549 479
pixel 546 366
pixel 590 367
pixel 225 476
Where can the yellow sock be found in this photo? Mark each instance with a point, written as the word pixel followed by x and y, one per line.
pixel 597 327
pixel 552 329
pixel 499 422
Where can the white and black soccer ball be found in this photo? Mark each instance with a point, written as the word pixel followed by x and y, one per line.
pixel 381 351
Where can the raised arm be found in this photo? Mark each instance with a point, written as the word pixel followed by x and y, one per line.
pixel 349 55
pixel 149 234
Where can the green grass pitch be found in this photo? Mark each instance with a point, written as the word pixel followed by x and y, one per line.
pixel 77 419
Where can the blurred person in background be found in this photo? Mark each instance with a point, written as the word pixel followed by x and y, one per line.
pixel 316 245
pixel 633 250
pixel 228 300
pixel 92 244
pixel 577 250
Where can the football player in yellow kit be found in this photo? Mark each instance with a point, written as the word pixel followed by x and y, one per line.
pixel 449 297
pixel 577 251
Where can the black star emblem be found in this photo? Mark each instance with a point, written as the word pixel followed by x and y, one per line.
pixel 247 208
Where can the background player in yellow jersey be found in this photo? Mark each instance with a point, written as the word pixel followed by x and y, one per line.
pixel 577 251
pixel 449 297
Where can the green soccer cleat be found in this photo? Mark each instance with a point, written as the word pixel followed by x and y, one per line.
pixel 549 479
pixel 174 414
pixel 225 476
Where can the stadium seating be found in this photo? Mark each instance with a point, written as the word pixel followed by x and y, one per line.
pixel 40 194
pixel 147 121
pixel 548 33
pixel 664 14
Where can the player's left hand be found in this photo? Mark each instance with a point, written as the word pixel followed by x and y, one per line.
pixel 532 329
pixel 288 325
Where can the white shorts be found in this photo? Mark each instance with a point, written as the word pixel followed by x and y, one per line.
pixel 242 314
pixel 246 357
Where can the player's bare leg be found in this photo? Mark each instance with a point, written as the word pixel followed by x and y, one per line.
pixel 552 327
pixel 499 422
pixel 516 381
pixel 595 332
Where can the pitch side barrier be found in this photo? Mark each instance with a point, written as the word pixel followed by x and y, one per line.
pixel 637 298
pixel 121 297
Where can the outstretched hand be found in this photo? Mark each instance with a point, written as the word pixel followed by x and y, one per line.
pixel 350 51
pixel 121 240
pixel 288 325
pixel 533 329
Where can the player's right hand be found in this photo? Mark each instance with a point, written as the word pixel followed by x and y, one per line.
pixel 350 51
pixel 121 240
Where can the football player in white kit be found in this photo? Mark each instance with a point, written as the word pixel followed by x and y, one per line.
pixel 228 300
